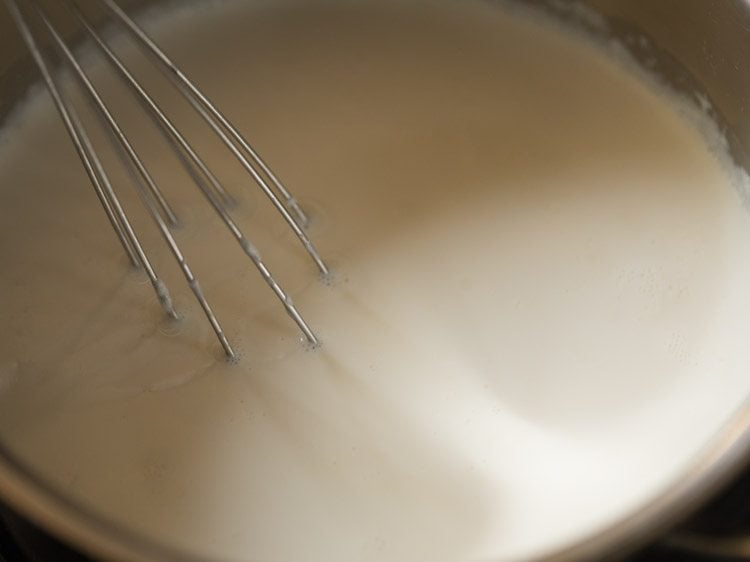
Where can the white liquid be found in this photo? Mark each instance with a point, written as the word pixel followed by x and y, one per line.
pixel 539 317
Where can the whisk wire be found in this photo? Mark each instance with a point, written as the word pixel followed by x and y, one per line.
pixel 150 199
pixel 101 106
pixel 216 118
pixel 94 169
pixel 148 191
pixel 162 120
pixel 154 109
pixel 103 189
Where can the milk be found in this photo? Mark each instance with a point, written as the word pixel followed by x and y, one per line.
pixel 537 317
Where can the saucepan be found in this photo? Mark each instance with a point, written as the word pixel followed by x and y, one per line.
pixel 702 49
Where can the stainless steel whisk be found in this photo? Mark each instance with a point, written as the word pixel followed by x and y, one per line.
pixel 151 196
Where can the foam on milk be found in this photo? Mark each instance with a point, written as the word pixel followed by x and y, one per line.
pixel 536 321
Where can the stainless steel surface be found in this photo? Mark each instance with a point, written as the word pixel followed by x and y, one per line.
pixel 702 48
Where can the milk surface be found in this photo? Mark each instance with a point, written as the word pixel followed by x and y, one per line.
pixel 538 315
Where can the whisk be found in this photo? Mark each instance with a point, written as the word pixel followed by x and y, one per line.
pixel 153 199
